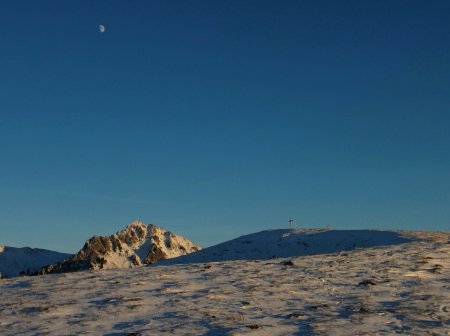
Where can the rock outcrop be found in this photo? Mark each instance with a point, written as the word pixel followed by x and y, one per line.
pixel 138 244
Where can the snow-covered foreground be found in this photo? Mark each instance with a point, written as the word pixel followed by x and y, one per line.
pixel 403 288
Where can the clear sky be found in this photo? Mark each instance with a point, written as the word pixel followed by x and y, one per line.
pixel 219 118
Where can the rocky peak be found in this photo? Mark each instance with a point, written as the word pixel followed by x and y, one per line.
pixel 136 245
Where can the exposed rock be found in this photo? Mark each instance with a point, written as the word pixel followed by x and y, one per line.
pixel 138 244
pixel 367 282
pixel 287 263
pixel 253 326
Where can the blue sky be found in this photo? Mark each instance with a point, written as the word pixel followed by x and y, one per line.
pixel 219 118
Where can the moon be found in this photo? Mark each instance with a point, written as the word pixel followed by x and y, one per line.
pixel 101 28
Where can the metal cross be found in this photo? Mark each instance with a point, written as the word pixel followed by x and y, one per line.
pixel 291 222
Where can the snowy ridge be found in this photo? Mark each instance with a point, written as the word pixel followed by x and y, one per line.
pixel 136 245
pixel 284 243
pixel 15 261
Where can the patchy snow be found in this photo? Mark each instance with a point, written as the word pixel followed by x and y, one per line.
pixel 14 260
pixel 380 290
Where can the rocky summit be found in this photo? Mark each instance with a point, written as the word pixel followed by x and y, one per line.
pixel 138 244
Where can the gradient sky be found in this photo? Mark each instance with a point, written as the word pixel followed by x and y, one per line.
pixel 220 118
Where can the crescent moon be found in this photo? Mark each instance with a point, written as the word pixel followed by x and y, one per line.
pixel 101 28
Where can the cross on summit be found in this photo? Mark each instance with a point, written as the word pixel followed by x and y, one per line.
pixel 291 222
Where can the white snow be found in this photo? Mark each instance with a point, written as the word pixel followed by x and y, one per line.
pixel 283 243
pixel 14 260
pixel 380 290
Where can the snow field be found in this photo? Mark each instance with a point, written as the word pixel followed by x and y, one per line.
pixel 401 288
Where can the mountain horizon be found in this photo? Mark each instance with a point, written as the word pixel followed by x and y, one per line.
pixel 137 244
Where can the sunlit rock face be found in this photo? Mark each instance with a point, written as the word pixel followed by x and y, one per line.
pixel 138 244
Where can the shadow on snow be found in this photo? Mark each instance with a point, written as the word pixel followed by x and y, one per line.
pixel 282 243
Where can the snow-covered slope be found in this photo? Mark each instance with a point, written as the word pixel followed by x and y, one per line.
pixel 288 243
pixel 14 260
pixel 136 245
pixel 401 289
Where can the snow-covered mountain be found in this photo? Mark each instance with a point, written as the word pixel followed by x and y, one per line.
pixel 136 245
pixel 15 261
pixel 284 243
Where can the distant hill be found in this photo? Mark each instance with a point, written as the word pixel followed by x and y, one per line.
pixel 15 261
pixel 136 245
pixel 291 242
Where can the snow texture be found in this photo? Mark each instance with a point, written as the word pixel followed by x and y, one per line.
pixel 390 288
pixel 291 242
pixel 14 260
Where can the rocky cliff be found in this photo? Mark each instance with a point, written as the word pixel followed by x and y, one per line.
pixel 138 244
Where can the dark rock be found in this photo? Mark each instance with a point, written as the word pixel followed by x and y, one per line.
pixel 367 283
pixel 296 315
pixel 435 269
pixel 253 326
pixel 364 310
pixel 287 263
pixel 154 254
